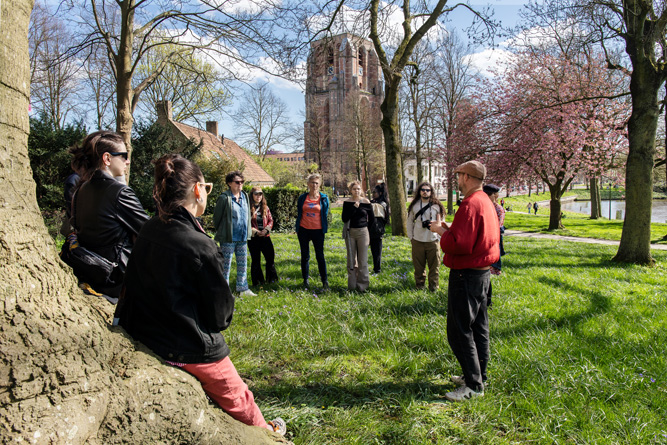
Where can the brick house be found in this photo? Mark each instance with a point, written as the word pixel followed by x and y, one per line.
pixel 214 146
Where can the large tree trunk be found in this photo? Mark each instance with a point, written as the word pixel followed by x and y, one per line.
pixel 393 148
pixel 66 376
pixel 596 203
pixel 555 209
pixel 635 246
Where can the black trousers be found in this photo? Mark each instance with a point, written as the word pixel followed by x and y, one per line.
pixel 258 246
pixel 376 251
pixel 468 323
pixel 317 237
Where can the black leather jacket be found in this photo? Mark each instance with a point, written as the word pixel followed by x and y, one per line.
pixel 107 216
pixel 176 299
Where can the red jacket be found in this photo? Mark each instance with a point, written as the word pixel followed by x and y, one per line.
pixel 473 239
pixel 267 218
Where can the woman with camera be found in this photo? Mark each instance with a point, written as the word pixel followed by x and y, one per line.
pixel 424 208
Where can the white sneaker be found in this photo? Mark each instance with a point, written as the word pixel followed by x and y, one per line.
pixel 278 426
pixel 459 380
pixel 462 393
pixel 247 293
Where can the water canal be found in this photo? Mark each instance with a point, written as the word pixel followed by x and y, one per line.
pixel 659 211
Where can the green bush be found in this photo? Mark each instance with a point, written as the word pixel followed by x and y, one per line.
pixel 50 160
pixel 282 202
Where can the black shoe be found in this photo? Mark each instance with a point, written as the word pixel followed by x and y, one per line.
pixel 325 286
pixel 306 284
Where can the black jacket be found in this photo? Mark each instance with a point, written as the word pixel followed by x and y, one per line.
pixel 176 299
pixel 107 216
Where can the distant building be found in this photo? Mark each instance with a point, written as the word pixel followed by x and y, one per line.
pixel 344 73
pixel 435 173
pixel 291 158
pixel 213 145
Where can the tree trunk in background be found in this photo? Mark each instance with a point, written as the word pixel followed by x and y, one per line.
pixel 66 376
pixel 393 148
pixel 596 203
pixel 556 191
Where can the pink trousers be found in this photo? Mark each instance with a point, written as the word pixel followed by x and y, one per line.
pixel 223 384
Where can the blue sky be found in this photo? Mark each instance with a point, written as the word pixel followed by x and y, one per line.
pixel 505 11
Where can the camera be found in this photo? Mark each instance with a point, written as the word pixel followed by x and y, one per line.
pixel 426 224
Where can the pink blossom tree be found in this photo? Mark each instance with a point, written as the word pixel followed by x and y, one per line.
pixel 552 114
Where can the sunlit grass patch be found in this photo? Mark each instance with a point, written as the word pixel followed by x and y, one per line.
pixel 577 351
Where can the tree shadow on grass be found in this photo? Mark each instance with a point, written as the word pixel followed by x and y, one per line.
pixel 387 394
pixel 599 303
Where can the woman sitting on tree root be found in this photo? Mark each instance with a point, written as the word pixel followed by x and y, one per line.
pixel 176 299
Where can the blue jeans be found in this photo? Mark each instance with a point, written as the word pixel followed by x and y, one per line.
pixel 240 249
pixel 468 323
pixel 317 237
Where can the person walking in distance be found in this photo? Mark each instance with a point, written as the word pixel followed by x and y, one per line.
pixel 425 208
pixel 470 245
pixel 529 206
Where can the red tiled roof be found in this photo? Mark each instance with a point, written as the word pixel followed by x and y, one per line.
pixel 227 149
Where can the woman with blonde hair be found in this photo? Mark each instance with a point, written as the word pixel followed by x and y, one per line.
pixel 357 214
pixel 311 225
pixel 260 243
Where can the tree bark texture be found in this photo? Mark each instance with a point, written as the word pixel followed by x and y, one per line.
pixel 66 376
pixel 645 82
pixel 124 70
pixel 595 198
pixel 393 148
pixel 555 208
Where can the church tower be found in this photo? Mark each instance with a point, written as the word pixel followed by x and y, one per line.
pixel 344 91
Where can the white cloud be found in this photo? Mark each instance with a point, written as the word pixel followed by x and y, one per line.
pixel 488 59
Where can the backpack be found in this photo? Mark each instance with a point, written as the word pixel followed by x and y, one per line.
pixel 376 228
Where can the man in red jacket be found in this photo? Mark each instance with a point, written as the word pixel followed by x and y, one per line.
pixel 470 245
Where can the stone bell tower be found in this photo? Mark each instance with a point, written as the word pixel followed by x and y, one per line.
pixel 344 91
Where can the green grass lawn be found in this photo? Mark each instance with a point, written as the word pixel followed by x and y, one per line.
pixel 577 351
pixel 579 225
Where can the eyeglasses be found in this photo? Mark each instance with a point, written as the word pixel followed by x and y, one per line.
pixel 239 182
pixel 258 193
pixel 124 154
pixel 208 186
pixel 426 190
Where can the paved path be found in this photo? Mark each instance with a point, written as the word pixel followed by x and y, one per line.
pixel 573 239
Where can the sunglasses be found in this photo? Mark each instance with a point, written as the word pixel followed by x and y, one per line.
pixel 239 182
pixel 208 186
pixel 124 154
pixel 426 190
pixel 258 193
